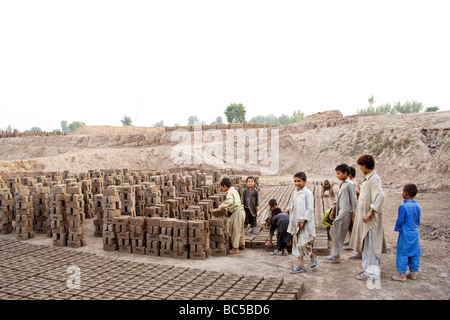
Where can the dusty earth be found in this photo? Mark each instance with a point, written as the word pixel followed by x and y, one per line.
pixel 408 148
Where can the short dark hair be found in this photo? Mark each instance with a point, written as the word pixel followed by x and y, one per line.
pixel 352 171
pixel 366 160
pixel 276 211
pixel 273 202
pixel 300 175
pixel 225 182
pixel 343 168
pixel 411 189
pixel 250 177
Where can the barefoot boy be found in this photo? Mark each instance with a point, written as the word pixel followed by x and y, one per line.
pixel 301 223
pixel 408 243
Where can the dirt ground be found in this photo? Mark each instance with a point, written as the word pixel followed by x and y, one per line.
pixel 334 281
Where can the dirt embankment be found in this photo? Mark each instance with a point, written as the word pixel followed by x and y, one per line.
pixel 412 146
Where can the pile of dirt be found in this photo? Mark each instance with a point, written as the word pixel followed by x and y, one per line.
pixel 113 130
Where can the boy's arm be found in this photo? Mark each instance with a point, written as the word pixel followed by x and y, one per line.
pixel 227 202
pixel 400 218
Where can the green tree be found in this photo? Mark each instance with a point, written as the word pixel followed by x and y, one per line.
pixel 297 116
pixel 64 126
pixel 159 124
pixel 218 120
pixel 235 113
pixel 34 129
pixel 194 121
pixel 126 121
pixel 76 124
pixel 371 101
pixel 409 107
pixel 284 119
pixel 432 109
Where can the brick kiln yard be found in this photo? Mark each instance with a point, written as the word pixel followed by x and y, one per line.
pixel 35 269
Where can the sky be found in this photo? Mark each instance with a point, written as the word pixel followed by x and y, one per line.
pixel 97 61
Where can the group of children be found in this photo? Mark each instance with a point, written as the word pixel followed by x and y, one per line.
pixel 358 210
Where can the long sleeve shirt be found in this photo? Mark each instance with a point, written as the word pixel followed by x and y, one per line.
pixel 346 201
pixel 302 208
pixel 232 201
pixel 408 221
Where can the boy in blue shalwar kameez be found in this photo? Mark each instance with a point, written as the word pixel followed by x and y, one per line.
pixel 408 243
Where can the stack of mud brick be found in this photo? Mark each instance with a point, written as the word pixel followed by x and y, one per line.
pixel 166 237
pixel 88 197
pixel 219 236
pixel 111 204
pixel 217 176
pixel 13 183
pixel 98 215
pixel 153 228
pixel 139 191
pixel 75 216
pixel 97 186
pixel 137 235
pixel 127 199
pixel 6 210
pixel 41 209
pixel 207 205
pixel 180 239
pixel 193 212
pixel 23 206
pixel 58 216
pixel 154 206
pixel 122 227
pixel 199 248
pixel 110 241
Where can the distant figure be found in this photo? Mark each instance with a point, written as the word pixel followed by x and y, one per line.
pixel 327 189
pixel 408 243
pixel 250 200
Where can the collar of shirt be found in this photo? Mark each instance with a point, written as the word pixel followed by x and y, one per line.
pixel 367 176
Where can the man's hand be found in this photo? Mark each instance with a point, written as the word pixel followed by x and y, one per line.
pixel 368 216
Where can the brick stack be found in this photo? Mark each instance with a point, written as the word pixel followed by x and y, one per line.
pixel 88 197
pixel 199 239
pixel 166 237
pixel 180 239
pixel 41 208
pixel 111 204
pixel 139 191
pixel 122 228
pixel 153 227
pixel 110 241
pixel 6 210
pixel 23 206
pixel 97 186
pixel 137 235
pixel 127 198
pixel 75 216
pixel 219 236
pixel 98 215
pixel 58 216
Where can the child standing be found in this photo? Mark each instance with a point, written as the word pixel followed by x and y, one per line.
pixel 236 221
pixel 250 201
pixel 280 222
pixel 342 212
pixel 408 243
pixel 301 223
pixel 368 233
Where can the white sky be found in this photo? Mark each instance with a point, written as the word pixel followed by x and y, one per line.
pixel 96 61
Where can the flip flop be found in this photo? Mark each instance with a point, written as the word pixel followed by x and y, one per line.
pixel 332 259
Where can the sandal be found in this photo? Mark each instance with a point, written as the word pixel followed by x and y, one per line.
pixel 362 276
pixel 356 257
pixel 298 269
pixel 313 264
pixel 332 259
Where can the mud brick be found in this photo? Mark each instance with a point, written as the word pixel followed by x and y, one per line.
pixel 166 253
pixel 26 223
pixel 152 252
pixel 76 244
pixel 178 247
pixel 58 189
pixel 138 250
pixel 125 249
pixel 196 225
pixel 219 252
pixel 137 236
pixel 153 221
pixel 167 222
pixel 198 241
pixel 137 221
pixel 123 235
pixel 180 240
pixel 110 191
pixel 282 296
pixel 110 247
pixel 198 255
pixel 181 224
pixel 165 238
pixel 122 220
pixel 198 233
pixel 60 243
pixel 180 254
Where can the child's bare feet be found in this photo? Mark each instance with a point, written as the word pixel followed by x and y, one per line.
pixel 412 275
pixel 234 251
pixel 399 277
